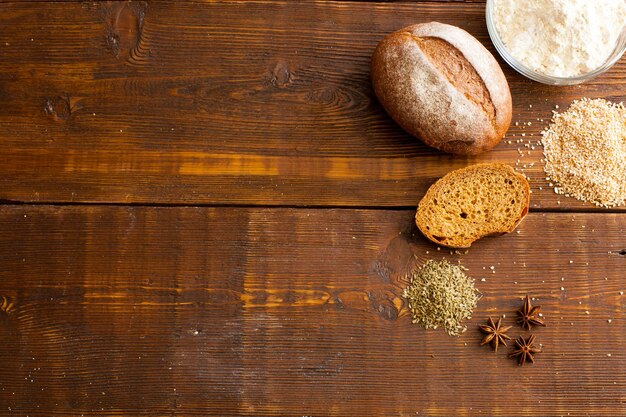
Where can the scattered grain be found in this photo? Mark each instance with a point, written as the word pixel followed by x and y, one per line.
pixel 585 152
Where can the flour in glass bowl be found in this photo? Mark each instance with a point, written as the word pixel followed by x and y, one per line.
pixel 561 38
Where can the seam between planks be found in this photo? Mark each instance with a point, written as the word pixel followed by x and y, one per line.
pixel 6 203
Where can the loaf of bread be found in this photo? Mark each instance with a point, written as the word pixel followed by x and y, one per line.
pixel 472 202
pixel 440 84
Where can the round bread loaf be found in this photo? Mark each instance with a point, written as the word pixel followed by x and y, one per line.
pixel 442 85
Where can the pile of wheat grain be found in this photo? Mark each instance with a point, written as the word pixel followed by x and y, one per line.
pixel 585 152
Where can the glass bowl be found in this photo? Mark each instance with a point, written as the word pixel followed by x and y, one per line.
pixel 619 50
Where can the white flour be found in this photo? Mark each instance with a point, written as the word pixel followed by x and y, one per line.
pixel 563 38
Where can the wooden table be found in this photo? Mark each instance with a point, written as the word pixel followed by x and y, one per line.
pixel 205 211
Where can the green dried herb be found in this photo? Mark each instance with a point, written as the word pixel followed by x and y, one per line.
pixel 441 295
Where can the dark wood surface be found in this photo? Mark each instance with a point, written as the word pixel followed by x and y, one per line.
pixel 230 103
pixel 222 311
pixel 205 211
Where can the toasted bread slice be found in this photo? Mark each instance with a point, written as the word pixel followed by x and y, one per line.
pixel 473 202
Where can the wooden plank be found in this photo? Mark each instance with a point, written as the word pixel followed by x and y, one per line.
pixel 208 1
pixel 230 103
pixel 216 311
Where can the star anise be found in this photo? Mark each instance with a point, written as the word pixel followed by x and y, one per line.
pixel 524 350
pixel 529 315
pixel 495 334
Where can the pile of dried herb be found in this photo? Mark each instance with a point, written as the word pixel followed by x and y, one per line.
pixel 441 295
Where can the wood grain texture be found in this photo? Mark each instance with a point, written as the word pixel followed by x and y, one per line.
pixel 264 103
pixel 234 312
pixel 208 1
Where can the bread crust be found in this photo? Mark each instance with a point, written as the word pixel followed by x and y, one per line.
pixel 465 173
pixel 422 88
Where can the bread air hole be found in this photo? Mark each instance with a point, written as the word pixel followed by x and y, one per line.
pixel 463 215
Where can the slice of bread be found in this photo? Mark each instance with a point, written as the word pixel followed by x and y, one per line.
pixel 473 202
